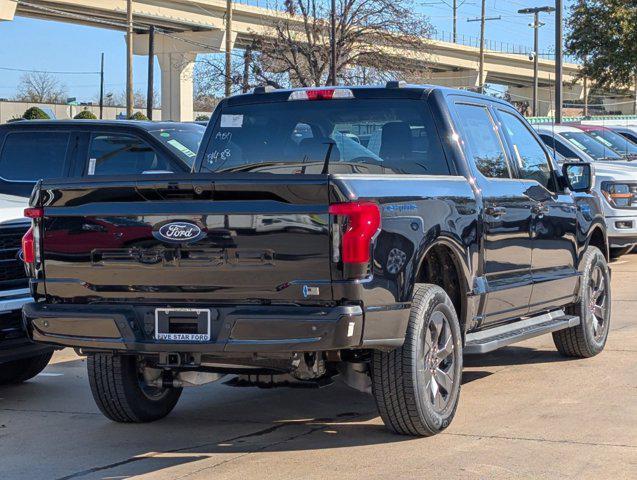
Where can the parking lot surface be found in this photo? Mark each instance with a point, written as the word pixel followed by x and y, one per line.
pixel 525 412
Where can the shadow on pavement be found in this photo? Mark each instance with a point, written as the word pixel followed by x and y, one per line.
pixel 514 355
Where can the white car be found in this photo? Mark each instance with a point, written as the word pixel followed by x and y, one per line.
pixel 615 181
pixel 12 224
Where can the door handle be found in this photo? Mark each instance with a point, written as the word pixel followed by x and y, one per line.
pixel 495 211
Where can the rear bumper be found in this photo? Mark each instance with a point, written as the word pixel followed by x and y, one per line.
pixel 12 300
pixel 233 329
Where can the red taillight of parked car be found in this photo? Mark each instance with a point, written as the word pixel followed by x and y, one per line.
pixel 28 246
pixel 29 239
pixel 34 212
pixel 360 223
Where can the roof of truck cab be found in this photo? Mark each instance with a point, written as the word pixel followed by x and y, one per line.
pixel 93 124
pixel 407 90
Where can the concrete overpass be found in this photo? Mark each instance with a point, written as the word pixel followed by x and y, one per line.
pixel 198 26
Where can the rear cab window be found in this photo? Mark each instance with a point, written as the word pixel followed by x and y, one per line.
pixel 348 135
pixel 122 154
pixel 30 156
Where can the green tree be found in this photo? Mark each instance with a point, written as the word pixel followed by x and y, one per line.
pixel 138 116
pixel 85 115
pixel 202 118
pixel 602 34
pixel 35 113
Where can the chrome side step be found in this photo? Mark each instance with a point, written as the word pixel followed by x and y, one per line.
pixel 498 337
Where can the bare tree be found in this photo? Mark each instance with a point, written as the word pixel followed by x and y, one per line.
pixel 40 87
pixel 373 38
pixel 139 99
pixel 376 34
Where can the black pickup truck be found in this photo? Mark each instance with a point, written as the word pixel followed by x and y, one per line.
pixel 34 149
pixel 372 233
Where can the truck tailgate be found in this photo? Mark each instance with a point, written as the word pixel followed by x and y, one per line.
pixel 205 237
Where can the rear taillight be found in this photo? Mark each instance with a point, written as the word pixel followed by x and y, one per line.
pixel 360 223
pixel 34 212
pixel 28 246
pixel 31 238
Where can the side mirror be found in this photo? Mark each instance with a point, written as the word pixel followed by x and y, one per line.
pixel 578 176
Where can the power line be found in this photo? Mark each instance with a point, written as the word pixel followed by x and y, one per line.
pixel 47 71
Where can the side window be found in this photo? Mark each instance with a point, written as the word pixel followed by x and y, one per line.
pixel 565 151
pixel 30 156
pixel 117 154
pixel 486 147
pixel 531 158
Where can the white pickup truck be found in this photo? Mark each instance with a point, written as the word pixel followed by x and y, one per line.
pixel 20 359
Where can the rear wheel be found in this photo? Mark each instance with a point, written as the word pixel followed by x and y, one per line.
pixel 118 387
pixel 589 337
pixel 19 371
pixel 417 386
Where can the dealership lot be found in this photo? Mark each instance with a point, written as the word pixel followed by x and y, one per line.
pixel 525 412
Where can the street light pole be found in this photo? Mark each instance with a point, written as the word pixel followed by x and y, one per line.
pixel 129 58
pixel 228 72
pixel 102 88
pixel 558 59
pixel 536 49
pixel 150 94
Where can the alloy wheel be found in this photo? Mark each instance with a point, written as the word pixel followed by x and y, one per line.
pixel 438 364
pixel 598 302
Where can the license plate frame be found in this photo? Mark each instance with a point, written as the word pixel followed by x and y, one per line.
pixel 184 337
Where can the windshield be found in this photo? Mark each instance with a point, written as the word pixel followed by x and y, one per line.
pixel 613 140
pixel 183 142
pixel 590 145
pixel 341 135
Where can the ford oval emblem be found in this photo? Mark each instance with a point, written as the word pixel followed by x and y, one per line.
pixel 178 232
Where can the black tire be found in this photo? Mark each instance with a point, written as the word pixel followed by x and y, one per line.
pixel 120 394
pixel 402 379
pixel 594 309
pixel 18 371
pixel 616 252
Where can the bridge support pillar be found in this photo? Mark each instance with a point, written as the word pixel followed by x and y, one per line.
pixel 7 9
pixel 177 53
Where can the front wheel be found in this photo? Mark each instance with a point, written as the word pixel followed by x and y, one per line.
pixel 120 393
pixel 417 386
pixel 589 337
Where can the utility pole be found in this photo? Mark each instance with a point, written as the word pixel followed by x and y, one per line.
pixel 585 96
pixel 559 24
pixel 102 88
pixel 150 95
pixel 483 19
pixel 635 93
pixel 455 21
pixel 228 82
pixel 333 44
pixel 129 58
pixel 536 49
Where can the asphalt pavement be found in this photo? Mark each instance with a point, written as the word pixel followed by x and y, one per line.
pixel 525 413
